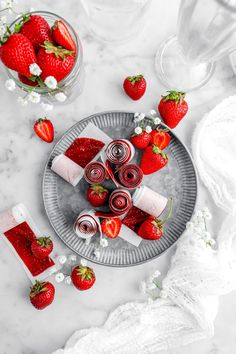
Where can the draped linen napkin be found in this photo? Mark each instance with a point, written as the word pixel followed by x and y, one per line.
pixel 197 275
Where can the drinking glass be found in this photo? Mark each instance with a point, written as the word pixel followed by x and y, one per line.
pixel 205 33
pixel 116 20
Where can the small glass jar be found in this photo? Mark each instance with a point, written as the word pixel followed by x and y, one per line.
pixel 71 85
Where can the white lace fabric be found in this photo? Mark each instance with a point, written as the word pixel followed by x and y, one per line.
pixel 198 274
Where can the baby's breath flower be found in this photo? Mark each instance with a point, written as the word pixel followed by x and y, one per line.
pixel 97 253
pixel 62 259
pixel 148 129
pixel 157 120
pixel 68 280
pixel 211 242
pixel 206 235
pixel 138 130
pixel 152 112
pixel 103 242
pixel 83 262
pixel 51 82
pixel 60 97
pixel 138 117
pixel 35 69
pixel 72 258
pixel 34 97
pixel 59 277
pixel 3 20
pixel 2 30
pixel 22 101
pixel 47 107
pixel 10 85
pixel 151 286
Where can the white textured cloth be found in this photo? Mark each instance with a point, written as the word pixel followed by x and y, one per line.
pixel 198 275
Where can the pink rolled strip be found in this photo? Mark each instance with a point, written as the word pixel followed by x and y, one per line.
pixel 95 173
pixel 120 151
pixel 87 224
pixel 67 169
pixel 149 201
pixel 130 175
pixel 120 201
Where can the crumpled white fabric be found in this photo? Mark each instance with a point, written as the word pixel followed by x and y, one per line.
pixel 197 276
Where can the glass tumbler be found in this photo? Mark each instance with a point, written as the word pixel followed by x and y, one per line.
pixel 205 33
pixel 71 85
pixel 116 20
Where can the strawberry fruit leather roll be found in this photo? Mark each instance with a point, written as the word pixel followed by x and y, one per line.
pixel 130 175
pixel 95 173
pixel 120 151
pixel 120 201
pixel 87 224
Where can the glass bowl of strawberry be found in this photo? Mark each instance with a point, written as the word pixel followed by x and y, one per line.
pixel 43 57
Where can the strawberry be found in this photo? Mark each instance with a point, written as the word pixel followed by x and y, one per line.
pixel 41 247
pixel 44 129
pixel 152 228
pixel 111 227
pixel 83 278
pixel 62 36
pixel 134 218
pixel 140 141
pixel 153 159
pixel 27 81
pixel 55 61
pixel 17 53
pixel 42 294
pixel 97 195
pixel 135 86
pixel 37 30
pixel 173 108
pixel 160 137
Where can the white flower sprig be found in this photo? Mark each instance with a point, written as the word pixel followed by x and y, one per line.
pixel 152 288
pixel 198 225
pixel 65 267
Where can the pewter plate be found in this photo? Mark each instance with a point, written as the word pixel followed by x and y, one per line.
pixel 63 202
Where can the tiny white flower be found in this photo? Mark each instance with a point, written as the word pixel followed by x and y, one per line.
pixel 138 117
pixel 59 277
pixel 10 85
pixel 205 209
pixel 155 275
pixel 32 9
pixel 143 287
pixel 2 30
pixel 62 259
pixel 60 97
pixel 201 243
pixel 138 130
pixel 103 242
pixel 83 262
pixel 157 120
pixel 163 294
pixel 72 258
pixel 51 82
pixel 198 230
pixel 35 69
pixel 34 97
pixel 68 280
pixel 47 107
pixel 151 286
pixel 207 215
pixel 206 235
pixel 97 253
pixel 211 242
pixel 152 112
pixel 3 20
pixel 136 114
pixel 189 225
pixel 22 101
pixel 199 214
pixel 148 129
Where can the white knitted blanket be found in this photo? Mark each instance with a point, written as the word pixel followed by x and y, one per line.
pixel 197 275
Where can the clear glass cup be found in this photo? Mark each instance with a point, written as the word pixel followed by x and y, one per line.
pixel 72 85
pixel 116 20
pixel 205 33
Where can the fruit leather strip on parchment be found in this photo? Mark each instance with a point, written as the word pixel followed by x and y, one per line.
pixel 68 169
pixel 18 229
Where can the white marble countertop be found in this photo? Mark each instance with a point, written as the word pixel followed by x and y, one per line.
pixel 22 158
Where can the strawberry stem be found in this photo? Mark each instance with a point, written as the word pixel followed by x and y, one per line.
pixel 134 79
pixel 58 51
pixel 176 96
pixel 170 202
pixel 157 151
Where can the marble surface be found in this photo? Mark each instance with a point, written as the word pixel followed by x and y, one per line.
pixel 23 330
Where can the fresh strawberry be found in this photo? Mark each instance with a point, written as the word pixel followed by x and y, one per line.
pixel 41 247
pixel 17 53
pixel 152 228
pixel 97 195
pixel 27 81
pixel 140 141
pixel 134 218
pixel 160 137
pixel 44 129
pixel 83 278
pixel 42 294
pixel 135 86
pixel 111 227
pixel 153 159
pixel 62 36
pixel 55 61
pixel 173 108
pixel 37 30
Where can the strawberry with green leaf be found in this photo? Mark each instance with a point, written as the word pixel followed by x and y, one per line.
pixel 42 294
pixel 153 159
pixel 41 247
pixel 82 277
pixel 135 86
pixel 173 108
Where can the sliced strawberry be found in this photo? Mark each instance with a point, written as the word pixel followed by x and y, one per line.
pixel 111 227
pixel 160 137
pixel 62 36
pixel 44 129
